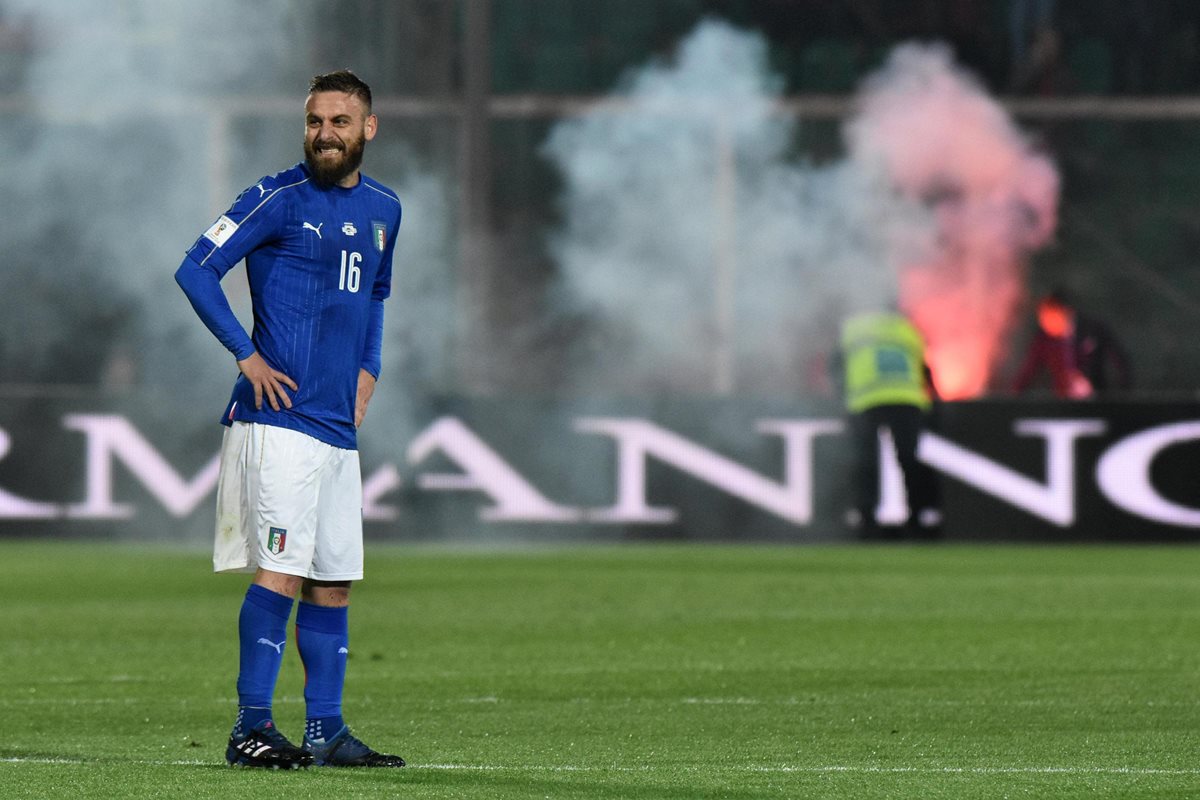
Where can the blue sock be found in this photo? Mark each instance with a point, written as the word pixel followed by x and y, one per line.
pixel 323 638
pixel 262 632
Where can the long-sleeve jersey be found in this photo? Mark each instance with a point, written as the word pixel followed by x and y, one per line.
pixel 319 266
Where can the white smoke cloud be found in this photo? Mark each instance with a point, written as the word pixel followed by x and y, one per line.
pixel 715 260
pixel 126 155
pixel 645 215
pixel 115 170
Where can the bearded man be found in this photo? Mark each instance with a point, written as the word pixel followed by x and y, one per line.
pixel 318 241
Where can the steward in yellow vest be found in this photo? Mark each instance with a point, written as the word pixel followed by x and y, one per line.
pixel 887 385
pixel 884 361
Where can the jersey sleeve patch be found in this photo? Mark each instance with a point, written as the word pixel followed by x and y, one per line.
pixel 221 230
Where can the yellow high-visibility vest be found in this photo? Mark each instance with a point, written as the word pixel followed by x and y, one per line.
pixel 884 359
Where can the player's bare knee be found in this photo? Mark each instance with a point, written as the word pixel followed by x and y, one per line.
pixel 326 593
pixel 278 582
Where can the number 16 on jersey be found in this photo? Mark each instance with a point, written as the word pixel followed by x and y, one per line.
pixel 351 273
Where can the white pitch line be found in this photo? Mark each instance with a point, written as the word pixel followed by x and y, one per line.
pixel 819 769
pixel 92 761
pixel 760 768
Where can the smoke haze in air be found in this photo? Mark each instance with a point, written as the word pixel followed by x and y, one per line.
pixel 703 249
pixel 711 257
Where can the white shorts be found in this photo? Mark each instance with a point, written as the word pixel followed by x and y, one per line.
pixel 288 503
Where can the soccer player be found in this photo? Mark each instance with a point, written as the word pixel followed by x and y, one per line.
pixel 318 241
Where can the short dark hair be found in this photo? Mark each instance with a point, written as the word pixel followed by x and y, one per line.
pixel 343 80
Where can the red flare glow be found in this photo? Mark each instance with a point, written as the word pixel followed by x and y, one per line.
pixel 965 321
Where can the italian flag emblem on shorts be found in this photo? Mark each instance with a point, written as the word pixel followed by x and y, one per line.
pixel 276 540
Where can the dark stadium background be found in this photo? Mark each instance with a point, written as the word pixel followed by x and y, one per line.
pixel 129 127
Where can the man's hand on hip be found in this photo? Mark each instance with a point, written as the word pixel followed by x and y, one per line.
pixel 267 381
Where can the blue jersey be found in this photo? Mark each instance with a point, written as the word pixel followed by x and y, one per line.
pixel 319 266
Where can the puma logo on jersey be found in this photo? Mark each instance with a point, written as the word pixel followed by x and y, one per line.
pixel 316 230
pixel 261 191
pixel 278 647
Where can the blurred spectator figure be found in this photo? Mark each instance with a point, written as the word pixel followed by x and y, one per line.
pixel 1076 350
pixel 1035 48
pixel 881 368
pixel 819 374
pixel 1026 20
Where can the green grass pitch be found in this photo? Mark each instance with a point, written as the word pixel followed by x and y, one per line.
pixel 674 671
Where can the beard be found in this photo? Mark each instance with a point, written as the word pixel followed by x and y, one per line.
pixel 330 172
